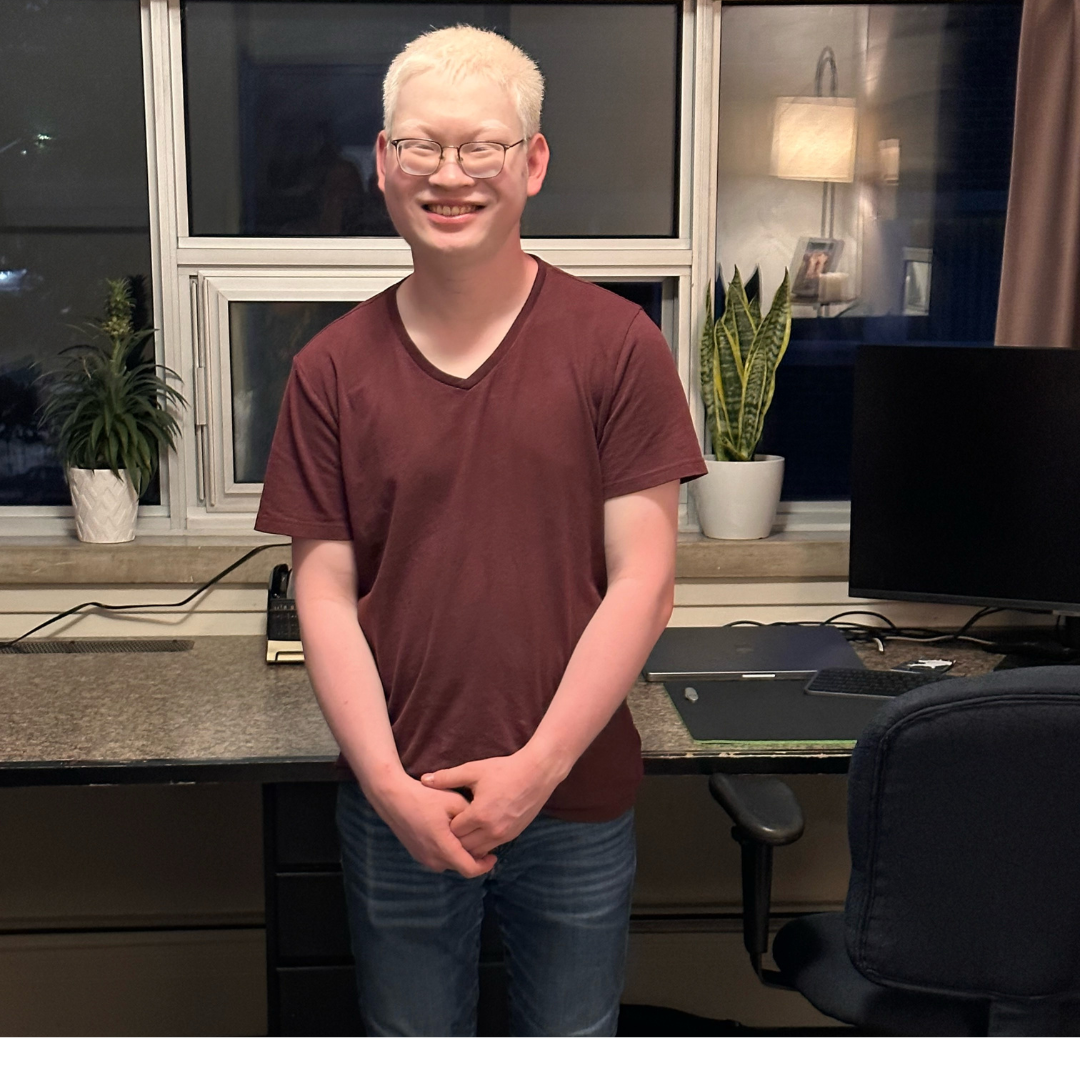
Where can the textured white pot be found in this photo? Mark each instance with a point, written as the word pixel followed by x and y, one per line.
pixel 738 499
pixel 105 505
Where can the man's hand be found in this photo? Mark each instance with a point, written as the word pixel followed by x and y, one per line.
pixel 508 792
pixel 421 818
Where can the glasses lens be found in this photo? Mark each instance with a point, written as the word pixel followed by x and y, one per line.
pixel 482 160
pixel 419 157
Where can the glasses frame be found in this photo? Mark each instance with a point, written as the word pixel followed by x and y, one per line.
pixel 396 144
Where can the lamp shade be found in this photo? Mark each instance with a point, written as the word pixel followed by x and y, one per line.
pixel 814 139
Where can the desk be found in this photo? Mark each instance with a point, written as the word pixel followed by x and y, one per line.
pixel 219 714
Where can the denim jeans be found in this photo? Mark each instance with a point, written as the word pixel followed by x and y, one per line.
pixel 561 894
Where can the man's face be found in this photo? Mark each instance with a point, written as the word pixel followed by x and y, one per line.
pixel 450 212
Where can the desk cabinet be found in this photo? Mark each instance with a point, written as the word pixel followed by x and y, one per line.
pixel 310 981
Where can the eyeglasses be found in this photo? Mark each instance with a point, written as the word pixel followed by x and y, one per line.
pixel 480 160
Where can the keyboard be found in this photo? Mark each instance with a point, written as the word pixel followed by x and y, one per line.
pixel 868 682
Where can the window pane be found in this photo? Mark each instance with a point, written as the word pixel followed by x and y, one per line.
pixel 914 252
pixel 264 336
pixel 649 294
pixel 284 102
pixel 73 202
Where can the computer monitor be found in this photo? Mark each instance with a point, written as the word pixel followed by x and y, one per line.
pixel 965 484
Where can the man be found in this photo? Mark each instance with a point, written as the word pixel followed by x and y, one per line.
pixel 479 469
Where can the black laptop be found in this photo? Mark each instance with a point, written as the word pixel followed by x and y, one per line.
pixel 748 652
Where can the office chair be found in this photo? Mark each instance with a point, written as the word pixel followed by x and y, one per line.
pixel 963 907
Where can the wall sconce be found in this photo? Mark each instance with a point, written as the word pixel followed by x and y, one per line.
pixel 814 138
pixel 889 161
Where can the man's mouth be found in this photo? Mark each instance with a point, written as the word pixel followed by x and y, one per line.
pixel 451 209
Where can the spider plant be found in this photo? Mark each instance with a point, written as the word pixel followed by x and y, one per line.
pixel 739 355
pixel 107 406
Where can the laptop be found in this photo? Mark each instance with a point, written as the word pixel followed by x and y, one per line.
pixel 748 652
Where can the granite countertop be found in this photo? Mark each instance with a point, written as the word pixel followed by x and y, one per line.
pixel 219 712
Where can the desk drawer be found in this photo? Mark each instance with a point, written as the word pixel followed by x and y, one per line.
pixel 303 826
pixel 318 1000
pixel 312 923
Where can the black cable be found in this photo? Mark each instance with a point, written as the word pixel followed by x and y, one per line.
pixel 890 632
pixel 142 607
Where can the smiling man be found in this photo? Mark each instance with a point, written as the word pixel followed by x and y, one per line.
pixel 479 469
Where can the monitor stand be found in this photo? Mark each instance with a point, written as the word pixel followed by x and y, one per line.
pixel 1044 647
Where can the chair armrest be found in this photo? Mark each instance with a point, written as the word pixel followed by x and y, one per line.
pixel 766 815
pixel 763 808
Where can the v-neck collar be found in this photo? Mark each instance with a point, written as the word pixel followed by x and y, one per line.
pixel 428 368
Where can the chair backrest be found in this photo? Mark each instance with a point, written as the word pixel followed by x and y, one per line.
pixel 964 824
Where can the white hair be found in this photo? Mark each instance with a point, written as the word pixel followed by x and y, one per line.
pixel 460 51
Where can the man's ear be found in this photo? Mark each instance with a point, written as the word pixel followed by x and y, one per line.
pixel 538 154
pixel 382 146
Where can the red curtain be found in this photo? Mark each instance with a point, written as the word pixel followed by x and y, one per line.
pixel 1040 279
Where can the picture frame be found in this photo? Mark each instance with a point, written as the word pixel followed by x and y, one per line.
pixel 814 256
pixel 917 267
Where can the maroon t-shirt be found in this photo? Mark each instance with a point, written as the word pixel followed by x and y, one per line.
pixel 476 510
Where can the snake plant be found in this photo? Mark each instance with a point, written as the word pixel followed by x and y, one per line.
pixel 107 406
pixel 739 354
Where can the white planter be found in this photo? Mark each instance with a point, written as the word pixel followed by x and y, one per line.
pixel 105 506
pixel 738 499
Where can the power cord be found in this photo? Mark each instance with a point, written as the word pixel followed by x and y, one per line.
pixel 854 631
pixel 142 607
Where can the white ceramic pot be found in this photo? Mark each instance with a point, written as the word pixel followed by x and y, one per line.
pixel 738 499
pixel 105 505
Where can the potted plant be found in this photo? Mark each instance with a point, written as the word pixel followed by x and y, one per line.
pixel 109 412
pixel 740 351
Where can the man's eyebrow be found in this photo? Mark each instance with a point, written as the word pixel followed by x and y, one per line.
pixel 486 131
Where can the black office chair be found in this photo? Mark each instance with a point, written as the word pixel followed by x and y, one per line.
pixel 963 908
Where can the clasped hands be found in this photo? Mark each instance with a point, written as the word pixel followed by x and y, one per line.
pixel 445 831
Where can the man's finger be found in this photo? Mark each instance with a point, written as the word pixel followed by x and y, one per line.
pixel 448 779
pixel 475 837
pixel 463 861
pixel 464 823
pixel 468 865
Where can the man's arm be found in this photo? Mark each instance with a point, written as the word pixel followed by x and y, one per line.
pixel 508 792
pixel 350 693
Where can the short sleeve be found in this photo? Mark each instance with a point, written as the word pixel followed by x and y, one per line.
pixel 304 489
pixel 646 435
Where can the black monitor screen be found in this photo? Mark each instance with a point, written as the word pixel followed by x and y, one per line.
pixel 965 480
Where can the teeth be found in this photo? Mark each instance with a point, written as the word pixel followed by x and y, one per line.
pixel 450 211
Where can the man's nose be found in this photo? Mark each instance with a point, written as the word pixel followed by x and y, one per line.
pixel 450 173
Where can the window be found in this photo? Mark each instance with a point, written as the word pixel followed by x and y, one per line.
pixel 260 322
pixel 256 219
pixel 280 225
pixel 284 102
pixel 910 241
pixel 73 203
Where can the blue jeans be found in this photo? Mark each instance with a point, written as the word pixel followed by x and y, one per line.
pixel 561 893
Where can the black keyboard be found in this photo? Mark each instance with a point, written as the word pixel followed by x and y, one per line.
pixel 868 682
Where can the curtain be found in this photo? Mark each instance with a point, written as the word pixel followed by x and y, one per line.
pixel 1040 278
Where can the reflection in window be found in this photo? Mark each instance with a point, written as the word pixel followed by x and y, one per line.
pixel 73 202
pixel 284 102
pixel 650 295
pixel 264 336
pixel 894 237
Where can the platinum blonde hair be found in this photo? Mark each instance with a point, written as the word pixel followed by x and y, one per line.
pixel 460 51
